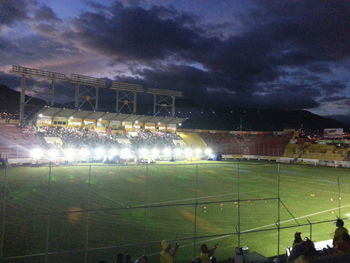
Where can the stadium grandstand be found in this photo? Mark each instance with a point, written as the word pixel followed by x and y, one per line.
pixel 157 174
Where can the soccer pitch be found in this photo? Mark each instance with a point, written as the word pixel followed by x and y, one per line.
pixel 184 200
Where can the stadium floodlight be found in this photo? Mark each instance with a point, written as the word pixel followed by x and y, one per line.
pixel 113 152
pixel 52 153
pixel 188 152
pixel 208 151
pixel 99 153
pixel 40 115
pixel 126 154
pixel 136 121
pixel 144 152
pixel 71 117
pixel 155 152
pixel 167 151
pixel 178 152
pixel 36 153
pixel 69 154
pixel 180 124
pixel 84 153
pixel 198 152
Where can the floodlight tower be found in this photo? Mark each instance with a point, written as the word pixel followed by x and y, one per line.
pixel 87 94
pixel 164 100
pixel 25 72
pixel 126 96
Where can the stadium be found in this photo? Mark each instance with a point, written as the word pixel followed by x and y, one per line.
pixel 80 184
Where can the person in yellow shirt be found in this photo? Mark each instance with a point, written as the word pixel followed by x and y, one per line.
pixel 206 253
pixel 339 232
pixel 166 256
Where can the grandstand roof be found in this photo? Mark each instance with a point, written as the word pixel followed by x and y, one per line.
pixel 95 115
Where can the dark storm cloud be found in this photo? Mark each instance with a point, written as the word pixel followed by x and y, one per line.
pixel 317 29
pixel 281 55
pixel 12 11
pixel 134 33
pixel 45 13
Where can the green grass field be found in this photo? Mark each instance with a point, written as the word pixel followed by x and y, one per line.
pixel 308 192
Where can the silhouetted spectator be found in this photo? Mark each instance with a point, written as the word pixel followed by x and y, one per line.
pixel 344 245
pixel 142 259
pixel 127 258
pixel 120 258
pixel 297 238
pixel 206 253
pixel 339 232
pixel 166 256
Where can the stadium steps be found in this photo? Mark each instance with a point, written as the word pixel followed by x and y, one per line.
pixel 14 143
pixel 192 139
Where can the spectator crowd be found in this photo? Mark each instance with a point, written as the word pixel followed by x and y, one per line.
pixel 301 251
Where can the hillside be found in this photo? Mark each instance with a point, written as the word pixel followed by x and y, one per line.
pixel 203 117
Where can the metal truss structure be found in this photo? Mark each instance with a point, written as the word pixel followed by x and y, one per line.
pixel 126 96
pixel 164 101
pixel 87 90
pixel 25 72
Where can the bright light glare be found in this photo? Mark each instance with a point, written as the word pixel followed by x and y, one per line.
pixel 143 152
pixel 69 153
pixel 167 151
pixel 99 152
pixel 83 152
pixel 208 151
pixel 155 152
pixel 53 153
pixel 188 152
pixel 198 152
pixel 126 154
pixel 113 152
pixel 178 151
pixel 36 153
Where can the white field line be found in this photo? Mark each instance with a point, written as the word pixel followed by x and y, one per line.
pixel 204 197
pixel 256 228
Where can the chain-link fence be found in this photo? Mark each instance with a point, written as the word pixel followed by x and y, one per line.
pixel 83 213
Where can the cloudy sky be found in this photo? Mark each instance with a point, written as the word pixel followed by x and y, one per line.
pixel 291 54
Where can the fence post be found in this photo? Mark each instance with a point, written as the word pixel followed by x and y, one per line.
pixel 48 219
pixel 310 224
pixel 3 221
pixel 278 210
pixel 145 211
pixel 87 218
pixel 238 208
pixel 195 211
pixel 339 197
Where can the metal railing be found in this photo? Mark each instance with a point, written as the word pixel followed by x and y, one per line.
pixel 131 208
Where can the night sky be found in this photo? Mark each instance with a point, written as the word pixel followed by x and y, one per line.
pixel 264 54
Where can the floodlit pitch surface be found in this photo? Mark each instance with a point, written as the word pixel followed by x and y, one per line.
pixel 309 192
